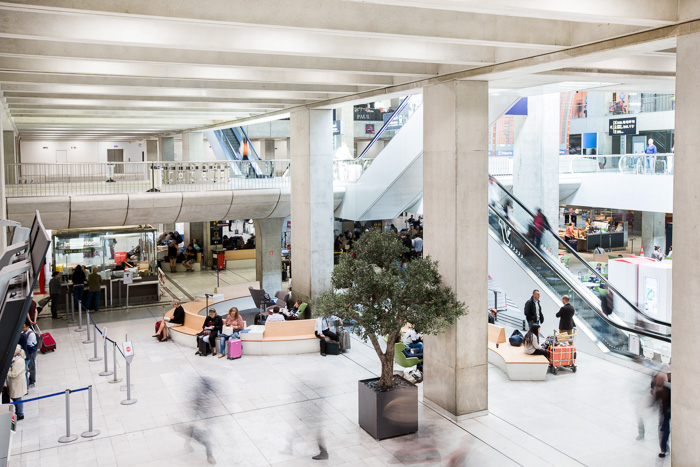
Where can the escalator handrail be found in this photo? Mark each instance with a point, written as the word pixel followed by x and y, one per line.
pixel 546 259
pixel 385 126
pixel 236 156
pixel 573 252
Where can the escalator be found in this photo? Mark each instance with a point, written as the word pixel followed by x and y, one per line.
pixel 610 333
pixel 238 147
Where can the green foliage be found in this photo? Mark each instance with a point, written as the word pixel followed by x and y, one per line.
pixel 374 290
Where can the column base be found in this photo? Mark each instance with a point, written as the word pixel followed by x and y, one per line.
pixel 449 415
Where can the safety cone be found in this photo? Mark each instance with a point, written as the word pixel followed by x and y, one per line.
pixel 641 251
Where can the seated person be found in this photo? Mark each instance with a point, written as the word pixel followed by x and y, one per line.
pixel 531 342
pixel 190 258
pixel 235 322
pixel 177 319
pixel 210 329
pixel 595 276
pixel 413 353
pixel 598 250
pixel 413 340
pixel 293 312
pixel 323 331
pixel 492 316
pixel 275 316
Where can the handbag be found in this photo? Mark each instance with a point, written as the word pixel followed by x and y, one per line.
pixel 227 330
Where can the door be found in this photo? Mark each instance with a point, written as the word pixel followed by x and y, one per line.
pixel 116 155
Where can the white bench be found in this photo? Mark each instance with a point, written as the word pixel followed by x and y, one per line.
pixel 513 361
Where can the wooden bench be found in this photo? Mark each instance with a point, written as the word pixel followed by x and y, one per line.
pixel 513 361
pixel 235 255
pixel 281 338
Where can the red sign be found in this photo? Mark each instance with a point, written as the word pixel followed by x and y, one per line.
pixel 369 129
pixel 272 253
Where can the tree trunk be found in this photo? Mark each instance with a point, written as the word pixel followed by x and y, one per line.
pixel 387 378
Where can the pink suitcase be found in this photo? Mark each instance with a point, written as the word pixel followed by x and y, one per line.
pixel 234 349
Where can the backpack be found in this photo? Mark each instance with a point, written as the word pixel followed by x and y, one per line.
pixel 516 339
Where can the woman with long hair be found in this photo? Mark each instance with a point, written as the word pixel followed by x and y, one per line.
pixel 235 322
pixel 531 341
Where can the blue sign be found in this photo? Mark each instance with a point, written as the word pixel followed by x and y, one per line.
pixel 336 127
pixel 590 141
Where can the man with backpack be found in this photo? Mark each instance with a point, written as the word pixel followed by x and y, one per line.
pixel 30 365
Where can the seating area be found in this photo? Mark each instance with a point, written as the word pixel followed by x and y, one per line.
pixel 281 338
pixel 513 361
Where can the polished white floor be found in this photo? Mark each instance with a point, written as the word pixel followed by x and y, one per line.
pixel 269 411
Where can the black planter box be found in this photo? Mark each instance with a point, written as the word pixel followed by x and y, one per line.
pixel 385 414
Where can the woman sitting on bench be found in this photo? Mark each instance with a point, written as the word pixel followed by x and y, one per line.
pixel 178 318
pixel 531 342
pixel 233 323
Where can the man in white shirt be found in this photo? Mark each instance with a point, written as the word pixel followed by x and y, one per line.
pixel 418 246
pixel 322 330
pixel 31 356
pixel 413 340
pixel 275 316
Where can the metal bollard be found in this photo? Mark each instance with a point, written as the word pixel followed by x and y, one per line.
pixel 69 298
pixel 89 339
pixel 128 400
pixel 106 372
pixel 95 358
pixel 114 364
pixel 80 318
pixel 91 432
pixel 68 437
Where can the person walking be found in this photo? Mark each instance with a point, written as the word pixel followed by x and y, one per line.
pixel 566 318
pixel 30 355
pixel 55 293
pixel 17 381
pixel 533 310
pixel 662 396
pixel 541 224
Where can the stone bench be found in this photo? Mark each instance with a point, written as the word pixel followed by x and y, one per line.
pixel 513 361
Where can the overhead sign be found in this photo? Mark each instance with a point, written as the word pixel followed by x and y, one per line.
pixel 622 126
pixel 336 127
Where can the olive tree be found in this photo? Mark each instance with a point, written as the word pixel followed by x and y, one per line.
pixel 372 288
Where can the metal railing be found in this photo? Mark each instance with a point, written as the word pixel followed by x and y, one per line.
pixel 25 180
pixel 653 103
pixel 632 164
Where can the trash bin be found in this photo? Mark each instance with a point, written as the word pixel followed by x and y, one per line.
pixel 219 257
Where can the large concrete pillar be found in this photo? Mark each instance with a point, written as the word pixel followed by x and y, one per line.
pixel 192 146
pixel 536 161
pixel 3 199
pixel 685 423
pixel 268 253
pixel 152 150
pixel 312 202
pixel 10 156
pixel 653 231
pixel 455 178
pixel 267 149
pixel 166 148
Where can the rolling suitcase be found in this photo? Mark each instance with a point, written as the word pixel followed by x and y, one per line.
pixel 202 346
pixel 345 343
pixel 47 343
pixel 235 349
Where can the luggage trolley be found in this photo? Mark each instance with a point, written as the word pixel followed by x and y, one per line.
pixel 562 356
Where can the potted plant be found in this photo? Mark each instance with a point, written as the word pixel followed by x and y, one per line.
pixel 373 289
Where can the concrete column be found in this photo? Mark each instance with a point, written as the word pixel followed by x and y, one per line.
pixel 455 179
pixel 10 156
pixel 267 149
pixel 347 129
pixel 312 202
pixel 653 231
pixel 192 146
pixel 536 161
pixel 268 253
pixel 685 423
pixel 166 148
pixel 3 199
pixel 152 150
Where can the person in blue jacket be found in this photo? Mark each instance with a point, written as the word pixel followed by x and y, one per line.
pixel 651 152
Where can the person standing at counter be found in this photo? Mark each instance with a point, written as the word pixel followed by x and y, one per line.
pixel 55 293
pixel 78 279
pixel 94 284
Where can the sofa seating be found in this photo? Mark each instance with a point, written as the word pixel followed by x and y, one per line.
pixel 281 338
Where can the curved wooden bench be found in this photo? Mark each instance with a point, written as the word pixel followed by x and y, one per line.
pixel 513 361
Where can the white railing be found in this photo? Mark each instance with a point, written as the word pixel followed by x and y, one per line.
pixel 630 164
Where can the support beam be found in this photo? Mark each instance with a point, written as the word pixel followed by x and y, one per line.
pixel 653 232
pixel 268 253
pixel 685 423
pixel 312 202
pixel 166 149
pixel 455 171
pixel 192 146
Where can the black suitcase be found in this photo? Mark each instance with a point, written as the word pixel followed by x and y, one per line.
pixel 202 346
pixel 332 348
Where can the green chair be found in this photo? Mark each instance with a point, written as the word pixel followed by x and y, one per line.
pixel 403 360
pixel 302 309
pixel 601 291
pixel 567 258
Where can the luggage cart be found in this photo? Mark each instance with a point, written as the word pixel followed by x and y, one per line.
pixel 562 356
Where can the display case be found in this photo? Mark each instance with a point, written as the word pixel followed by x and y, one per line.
pixel 107 249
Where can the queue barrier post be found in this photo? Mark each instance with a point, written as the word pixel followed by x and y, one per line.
pixel 89 339
pixel 91 431
pixel 80 318
pixel 68 437
pixel 115 379
pixel 106 372
pixel 95 357
pixel 69 298
pixel 128 400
